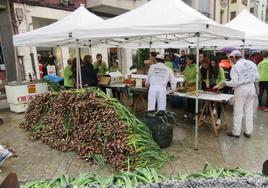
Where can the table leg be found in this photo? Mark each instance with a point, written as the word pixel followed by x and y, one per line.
pixel 225 124
pixel 144 103
pixel 212 119
pixel 201 117
pixel 139 98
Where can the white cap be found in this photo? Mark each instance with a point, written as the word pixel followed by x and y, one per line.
pixel 235 53
pixel 159 56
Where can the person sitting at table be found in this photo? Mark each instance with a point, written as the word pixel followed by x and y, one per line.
pixel 158 77
pixel 89 74
pixel 100 65
pixel 115 66
pixel 190 80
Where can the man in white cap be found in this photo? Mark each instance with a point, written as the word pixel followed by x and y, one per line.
pixel 158 77
pixel 243 75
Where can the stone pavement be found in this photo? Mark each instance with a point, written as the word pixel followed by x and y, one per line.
pixel 37 161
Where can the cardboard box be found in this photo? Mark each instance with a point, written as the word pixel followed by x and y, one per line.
pixel 116 78
pixel 104 80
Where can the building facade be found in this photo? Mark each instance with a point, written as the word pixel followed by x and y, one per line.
pixel 33 14
pixel 260 9
pixel 7 54
pixel 226 10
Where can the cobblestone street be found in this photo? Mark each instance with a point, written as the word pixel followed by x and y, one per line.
pixel 37 161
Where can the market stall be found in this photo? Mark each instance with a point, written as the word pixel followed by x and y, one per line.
pixel 61 33
pixel 152 25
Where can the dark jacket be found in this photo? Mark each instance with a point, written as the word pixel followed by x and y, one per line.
pixel 89 75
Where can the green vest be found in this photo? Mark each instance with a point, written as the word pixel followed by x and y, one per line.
pixel 68 76
pixel 102 67
pixel 190 73
pixel 263 70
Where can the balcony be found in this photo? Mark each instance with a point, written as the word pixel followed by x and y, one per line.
pixel 113 7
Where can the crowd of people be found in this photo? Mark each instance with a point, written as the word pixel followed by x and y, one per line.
pixel 90 71
pixel 225 73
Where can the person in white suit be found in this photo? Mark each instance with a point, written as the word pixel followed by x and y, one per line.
pixel 158 77
pixel 244 74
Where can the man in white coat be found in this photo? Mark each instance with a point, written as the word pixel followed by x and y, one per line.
pixel 158 77
pixel 244 74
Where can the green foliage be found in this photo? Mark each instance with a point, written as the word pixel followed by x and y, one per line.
pixel 145 176
pixel 143 54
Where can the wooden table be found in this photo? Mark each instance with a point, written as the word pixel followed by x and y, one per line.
pixel 140 97
pixel 208 101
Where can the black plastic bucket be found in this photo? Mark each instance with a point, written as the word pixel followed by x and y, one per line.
pixel 161 126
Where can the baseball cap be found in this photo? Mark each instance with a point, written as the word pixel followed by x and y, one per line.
pixel 235 53
pixel 159 56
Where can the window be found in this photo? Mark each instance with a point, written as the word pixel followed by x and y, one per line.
pixel 252 10
pixel 245 2
pixel 233 15
pixel 233 1
pixel 221 16
pixel 204 7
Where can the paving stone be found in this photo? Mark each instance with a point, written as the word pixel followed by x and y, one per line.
pixel 38 161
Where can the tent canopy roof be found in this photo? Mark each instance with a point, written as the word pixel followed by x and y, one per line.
pixel 252 26
pixel 58 32
pixel 159 17
pixel 256 32
pixel 153 24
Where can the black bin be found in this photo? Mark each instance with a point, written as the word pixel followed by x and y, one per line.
pixel 161 126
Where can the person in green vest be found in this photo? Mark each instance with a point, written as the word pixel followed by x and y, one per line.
pixel 115 66
pixel 263 82
pixel 190 70
pixel 101 65
pixel 190 80
pixel 167 62
pixel 68 75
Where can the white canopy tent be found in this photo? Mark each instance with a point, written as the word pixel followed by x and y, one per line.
pixel 59 33
pixel 256 32
pixel 158 22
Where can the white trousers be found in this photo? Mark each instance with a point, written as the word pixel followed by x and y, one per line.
pixel 244 98
pixel 157 94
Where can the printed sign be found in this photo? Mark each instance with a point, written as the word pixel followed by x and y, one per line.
pixel 31 88
pixel 51 70
pixel 25 99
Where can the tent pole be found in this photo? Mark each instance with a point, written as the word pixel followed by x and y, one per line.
pixel 77 71
pixel 197 90
pixel 243 50
pixel 78 68
pixel 90 50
